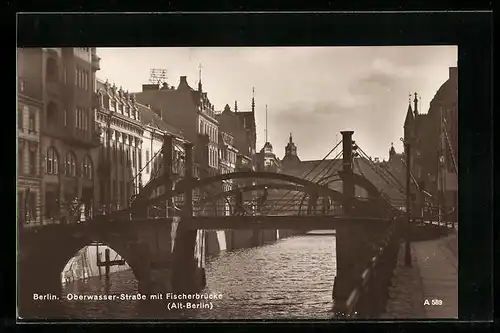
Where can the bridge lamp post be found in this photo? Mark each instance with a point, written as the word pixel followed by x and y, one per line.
pixel 408 205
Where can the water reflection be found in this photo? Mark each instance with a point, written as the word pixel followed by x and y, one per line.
pixel 289 279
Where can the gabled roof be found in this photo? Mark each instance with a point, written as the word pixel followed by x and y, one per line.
pixel 150 118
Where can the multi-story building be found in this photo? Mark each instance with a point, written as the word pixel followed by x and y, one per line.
pixel 155 129
pixel 120 153
pixel 28 123
pixel 266 160
pixel 433 140
pixel 241 126
pixel 191 112
pixel 69 137
pixel 227 164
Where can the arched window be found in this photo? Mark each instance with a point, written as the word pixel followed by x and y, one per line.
pixel 52 70
pixel 87 169
pixel 52 114
pixel 52 161
pixel 70 164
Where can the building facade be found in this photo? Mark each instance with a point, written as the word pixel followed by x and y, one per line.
pixel 154 133
pixel 191 112
pixel 69 138
pixel 434 143
pixel 120 152
pixel 29 109
pixel 227 164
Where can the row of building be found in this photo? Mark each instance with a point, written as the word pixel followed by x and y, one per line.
pixel 88 141
pixel 85 141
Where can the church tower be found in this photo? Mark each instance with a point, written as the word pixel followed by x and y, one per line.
pixel 290 160
pixel 291 148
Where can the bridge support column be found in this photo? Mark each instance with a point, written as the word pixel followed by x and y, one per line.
pixel 347 182
pixel 159 240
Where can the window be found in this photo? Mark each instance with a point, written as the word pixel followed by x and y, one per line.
pixel 113 105
pixel 122 154
pixel 139 166
pixel 20 158
pixel 128 155
pixel 105 102
pixel 70 164
pixel 201 127
pixel 52 161
pixel 147 161
pixel 31 206
pixel 77 118
pixel 85 119
pixel 32 120
pixel 33 159
pixel 134 159
pixel 20 118
pixel 87 169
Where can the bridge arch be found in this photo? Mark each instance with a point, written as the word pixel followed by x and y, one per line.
pixel 48 261
pixel 190 184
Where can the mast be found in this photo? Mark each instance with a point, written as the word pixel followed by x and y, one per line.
pixel 266 123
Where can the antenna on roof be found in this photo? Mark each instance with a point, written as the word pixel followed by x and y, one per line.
pixel 266 123
pixel 158 76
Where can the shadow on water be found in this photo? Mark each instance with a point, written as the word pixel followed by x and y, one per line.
pixel 289 279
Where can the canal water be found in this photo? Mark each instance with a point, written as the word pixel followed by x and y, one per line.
pixel 289 279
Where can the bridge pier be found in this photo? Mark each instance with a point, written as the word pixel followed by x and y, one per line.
pixel 188 276
pixel 353 249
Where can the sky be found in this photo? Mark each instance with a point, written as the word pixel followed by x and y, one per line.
pixel 311 92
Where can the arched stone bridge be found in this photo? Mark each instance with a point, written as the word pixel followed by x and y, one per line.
pixel 161 251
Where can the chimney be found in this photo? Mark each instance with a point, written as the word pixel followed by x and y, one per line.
pixel 183 82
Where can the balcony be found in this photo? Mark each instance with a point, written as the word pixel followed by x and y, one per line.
pixel 96 62
pixel 85 139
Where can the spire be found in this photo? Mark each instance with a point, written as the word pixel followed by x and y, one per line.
pixel 291 150
pixel 392 151
pixel 415 101
pixel 199 82
pixel 408 125
pixel 253 99
pixel 235 106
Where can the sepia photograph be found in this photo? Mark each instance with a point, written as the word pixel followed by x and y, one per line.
pixel 237 183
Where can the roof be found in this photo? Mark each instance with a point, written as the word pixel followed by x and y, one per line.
pixel 150 118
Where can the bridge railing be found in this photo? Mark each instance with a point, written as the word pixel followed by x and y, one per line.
pixel 443 216
pixel 369 297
